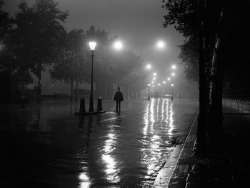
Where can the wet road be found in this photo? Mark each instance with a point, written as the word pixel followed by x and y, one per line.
pixel 49 146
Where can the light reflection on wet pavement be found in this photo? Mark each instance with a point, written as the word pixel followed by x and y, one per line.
pixel 49 146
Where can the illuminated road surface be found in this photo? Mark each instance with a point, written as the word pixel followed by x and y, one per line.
pixel 49 146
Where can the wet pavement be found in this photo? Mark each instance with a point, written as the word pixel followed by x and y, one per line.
pixel 49 146
pixel 226 163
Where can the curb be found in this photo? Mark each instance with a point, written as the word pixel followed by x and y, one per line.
pixel 176 169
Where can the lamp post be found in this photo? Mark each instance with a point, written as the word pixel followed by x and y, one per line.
pixel 92 45
pixel 172 98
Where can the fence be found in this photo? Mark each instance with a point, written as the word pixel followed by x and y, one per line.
pixel 242 105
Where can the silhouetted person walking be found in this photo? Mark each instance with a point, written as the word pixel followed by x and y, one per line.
pixel 118 98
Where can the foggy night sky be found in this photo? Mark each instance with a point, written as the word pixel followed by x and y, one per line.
pixel 133 21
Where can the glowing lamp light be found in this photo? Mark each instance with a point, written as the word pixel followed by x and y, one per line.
pixel 148 66
pixel 160 44
pixel 118 45
pixel 173 66
pixel 92 45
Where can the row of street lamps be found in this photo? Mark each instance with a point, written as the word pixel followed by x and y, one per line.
pixel 173 67
pixel 118 45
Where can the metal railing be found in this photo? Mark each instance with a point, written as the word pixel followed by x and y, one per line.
pixel 240 104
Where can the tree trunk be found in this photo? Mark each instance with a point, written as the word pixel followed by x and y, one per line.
pixel 216 115
pixel 76 92
pixel 106 90
pixel 39 85
pixel 71 90
pixel 76 80
pixel 202 119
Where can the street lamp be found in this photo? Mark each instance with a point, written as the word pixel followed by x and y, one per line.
pixel 148 66
pixel 173 74
pixel 173 66
pixel 92 45
pixel 172 98
pixel 118 45
pixel 160 44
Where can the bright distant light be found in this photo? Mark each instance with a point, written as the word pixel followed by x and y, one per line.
pixel 159 84
pixel 152 82
pixel 148 66
pixel 173 74
pixel 154 78
pixel 118 45
pixel 164 82
pixel 172 85
pixel 154 74
pixel 160 44
pixel 173 66
pixel 92 45
pixel 148 84
pixel 169 79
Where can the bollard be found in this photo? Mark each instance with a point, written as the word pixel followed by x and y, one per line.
pixel 82 105
pixel 99 104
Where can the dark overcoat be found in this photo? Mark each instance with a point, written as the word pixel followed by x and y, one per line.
pixel 118 96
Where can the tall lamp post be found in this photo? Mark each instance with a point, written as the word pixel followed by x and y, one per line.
pixel 92 45
pixel 172 85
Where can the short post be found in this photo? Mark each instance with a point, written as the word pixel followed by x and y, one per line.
pixel 148 91
pixel 82 105
pixel 172 98
pixel 99 104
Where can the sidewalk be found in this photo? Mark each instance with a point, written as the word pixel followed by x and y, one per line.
pixel 229 168
pixel 175 171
